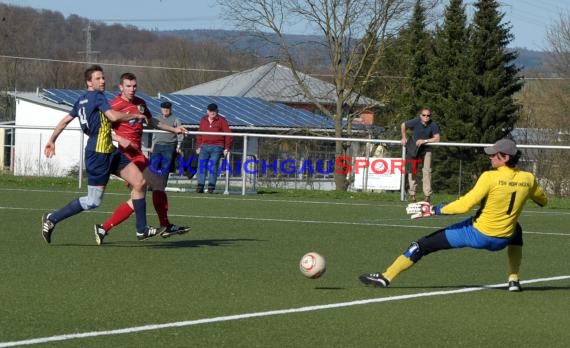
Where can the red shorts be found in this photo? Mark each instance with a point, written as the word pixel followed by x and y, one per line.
pixel 137 157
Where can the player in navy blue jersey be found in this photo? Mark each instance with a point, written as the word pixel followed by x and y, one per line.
pixel 102 158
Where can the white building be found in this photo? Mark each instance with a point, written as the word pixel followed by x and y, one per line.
pixel 37 114
pixel 33 111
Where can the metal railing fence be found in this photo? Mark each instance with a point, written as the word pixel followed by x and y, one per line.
pixel 274 149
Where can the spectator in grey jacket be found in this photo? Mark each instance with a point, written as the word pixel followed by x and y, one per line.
pixel 166 145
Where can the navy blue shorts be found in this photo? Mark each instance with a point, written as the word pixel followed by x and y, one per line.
pixel 100 166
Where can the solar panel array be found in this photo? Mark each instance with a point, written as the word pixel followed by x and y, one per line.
pixel 69 96
pixel 250 112
pixel 239 111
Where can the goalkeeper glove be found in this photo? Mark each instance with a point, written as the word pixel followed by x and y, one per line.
pixel 423 209
pixel 420 210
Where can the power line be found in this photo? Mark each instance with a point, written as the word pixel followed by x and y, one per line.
pixel 113 64
pixel 536 18
pixel 542 7
pixel 129 20
pixel 543 19
pixel 151 67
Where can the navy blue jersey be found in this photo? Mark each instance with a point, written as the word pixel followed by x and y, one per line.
pixel 90 108
pixel 420 130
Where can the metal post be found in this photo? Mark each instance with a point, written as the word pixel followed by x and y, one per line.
pixel 460 177
pixel 403 179
pixel 39 166
pixel 12 150
pixel 229 159
pixel 365 179
pixel 244 156
pixel 254 179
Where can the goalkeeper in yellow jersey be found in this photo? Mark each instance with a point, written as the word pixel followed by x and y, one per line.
pixel 500 193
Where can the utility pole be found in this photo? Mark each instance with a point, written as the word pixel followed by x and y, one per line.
pixel 89 53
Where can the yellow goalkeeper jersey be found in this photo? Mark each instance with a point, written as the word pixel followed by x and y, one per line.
pixel 501 194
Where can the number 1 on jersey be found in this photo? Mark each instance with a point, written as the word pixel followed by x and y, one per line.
pixel 511 203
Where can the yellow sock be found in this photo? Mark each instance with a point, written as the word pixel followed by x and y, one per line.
pixel 399 265
pixel 514 253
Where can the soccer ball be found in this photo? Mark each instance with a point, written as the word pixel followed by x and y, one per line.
pixel 313 265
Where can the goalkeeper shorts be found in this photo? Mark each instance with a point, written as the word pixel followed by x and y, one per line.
pixel 464 234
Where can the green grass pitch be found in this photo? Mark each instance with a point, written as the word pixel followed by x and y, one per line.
pixel 233 281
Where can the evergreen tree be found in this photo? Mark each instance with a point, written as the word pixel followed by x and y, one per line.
pixel 403 75
pixel 449 90
pixel 495 111
pixel 417 50
pixel 388 86
pixel 450 77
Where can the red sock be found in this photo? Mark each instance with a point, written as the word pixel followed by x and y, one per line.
pixel 160 202
pixel 120 214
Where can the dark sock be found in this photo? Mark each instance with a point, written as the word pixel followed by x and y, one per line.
pixel 72 208
pixel 139 206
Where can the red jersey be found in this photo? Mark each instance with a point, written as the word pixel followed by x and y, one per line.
pixel 131 130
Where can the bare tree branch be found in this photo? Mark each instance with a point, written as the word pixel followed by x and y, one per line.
pixel 351 31
pixel 558 37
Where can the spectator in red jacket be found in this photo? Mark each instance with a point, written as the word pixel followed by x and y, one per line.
pixel 211 147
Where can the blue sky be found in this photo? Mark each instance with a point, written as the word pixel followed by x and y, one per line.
pixel 530 18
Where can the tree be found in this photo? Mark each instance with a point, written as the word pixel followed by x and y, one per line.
pixel 545 113
pixel 388 85
pixel 352 33
pixel 450 95
pixel 558 38
pixel 405 61
pixel 417 51
pixel 496 79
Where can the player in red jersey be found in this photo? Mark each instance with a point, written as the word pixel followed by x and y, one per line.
pixel 129 137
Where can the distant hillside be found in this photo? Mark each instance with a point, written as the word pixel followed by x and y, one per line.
pixel 534 61
pixel 28 34
pixel 237 39
pixel 307 48
pixel 531 61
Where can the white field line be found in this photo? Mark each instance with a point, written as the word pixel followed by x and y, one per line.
pixel 150 327
pixel 291 201
pixel 242 218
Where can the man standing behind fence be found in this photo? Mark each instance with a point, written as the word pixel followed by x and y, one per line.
pixel 424 131
pixel 166 145
pixel 211 147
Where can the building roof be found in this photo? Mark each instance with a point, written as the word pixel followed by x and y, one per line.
pixel 248 112
pixel 38 98
pixel 241 112
pixel 272 82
